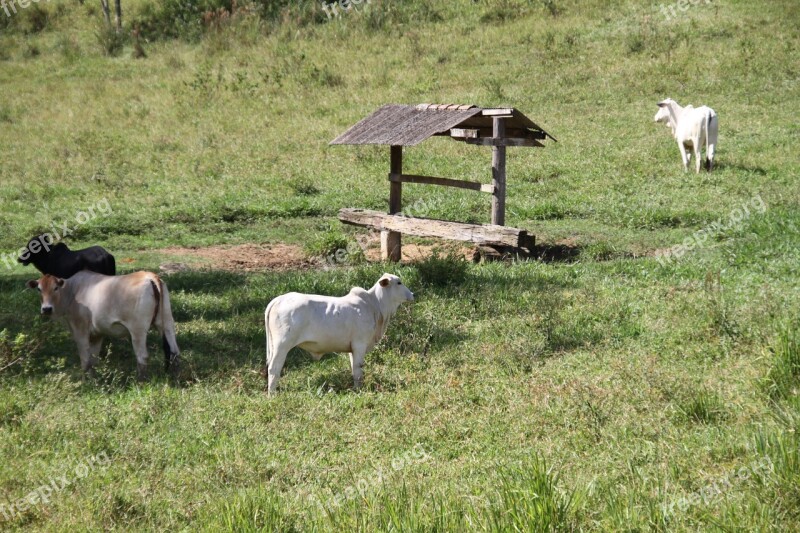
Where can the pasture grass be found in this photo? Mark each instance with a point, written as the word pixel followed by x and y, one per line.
pixel 599 388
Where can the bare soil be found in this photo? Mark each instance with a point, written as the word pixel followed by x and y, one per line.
pixel 240 257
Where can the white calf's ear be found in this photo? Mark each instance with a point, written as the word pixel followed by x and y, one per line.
pixel 32 284
pixel 383 282
pixel 60 282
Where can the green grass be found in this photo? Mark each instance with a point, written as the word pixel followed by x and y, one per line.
pixel 586 392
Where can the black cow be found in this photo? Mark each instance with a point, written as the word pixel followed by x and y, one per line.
pixel 58 260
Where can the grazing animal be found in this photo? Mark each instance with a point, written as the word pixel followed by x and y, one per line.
pixel 64 263
pixel 353 323
pixel 96 306
pixel 692 128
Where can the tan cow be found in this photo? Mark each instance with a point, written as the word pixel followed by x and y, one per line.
pixel 95 306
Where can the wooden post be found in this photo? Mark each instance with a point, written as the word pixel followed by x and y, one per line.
pixel 499 173
pixel 390 240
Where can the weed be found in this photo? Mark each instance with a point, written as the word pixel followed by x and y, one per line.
pixel 783 380
pixel 704 407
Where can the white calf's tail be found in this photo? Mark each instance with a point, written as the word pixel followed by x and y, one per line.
pixel 712 131
pixel 266 327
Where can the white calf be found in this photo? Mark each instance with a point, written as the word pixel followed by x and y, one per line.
pixel 323 324
pixel 692 128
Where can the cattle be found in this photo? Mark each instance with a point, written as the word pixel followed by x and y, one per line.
pixel 95 306
pixel 58 260
pixel 692 128
pixel 354 323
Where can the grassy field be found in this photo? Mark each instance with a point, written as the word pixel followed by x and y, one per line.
pixel 603 390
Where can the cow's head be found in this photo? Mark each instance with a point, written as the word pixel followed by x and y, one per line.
pixel 36 249
pixel 50 289
pixel 394 290
pixel 663 110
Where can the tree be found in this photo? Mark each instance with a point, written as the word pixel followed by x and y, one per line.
pixel 117 13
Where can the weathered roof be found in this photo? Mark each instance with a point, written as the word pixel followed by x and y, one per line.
pixel 407 125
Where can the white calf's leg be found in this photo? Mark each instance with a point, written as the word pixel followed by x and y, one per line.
pixel 697 159
pixel 357 364
pixel 684 156
pixel 276 358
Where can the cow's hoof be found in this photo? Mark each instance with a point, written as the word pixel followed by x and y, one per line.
pixel 141 373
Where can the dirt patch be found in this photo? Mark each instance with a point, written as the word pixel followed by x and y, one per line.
pixel 241 257
pixel 412 253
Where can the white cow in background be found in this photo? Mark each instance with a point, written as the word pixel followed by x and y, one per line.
pixel 692 128
pixel 354 323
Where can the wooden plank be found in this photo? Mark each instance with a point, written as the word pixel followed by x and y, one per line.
pixel 499 172
pixel 487 132
pixel 487 234
pixel 504 111
pixel 446 182
pixel 464 133
pixel 391 241
pixel 507 141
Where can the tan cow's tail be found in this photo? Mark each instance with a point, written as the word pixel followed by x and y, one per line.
pixel 162 319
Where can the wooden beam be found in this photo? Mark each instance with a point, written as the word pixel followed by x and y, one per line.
pixel 464 133
pixel 506 141
pixel 485 234
pixel 499 172
pixel 521 133
pixel 390 240
pixel 446 182
pixel 504 111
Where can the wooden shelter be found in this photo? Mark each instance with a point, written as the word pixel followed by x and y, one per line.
pixel 407 125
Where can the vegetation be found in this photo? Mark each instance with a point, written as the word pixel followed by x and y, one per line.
pixel 591 389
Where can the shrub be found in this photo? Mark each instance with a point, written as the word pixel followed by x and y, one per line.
pixel 111 42
pixel 303 187
pixel 34 19
pixel 15 351
pixel 326 243
pixel 443 270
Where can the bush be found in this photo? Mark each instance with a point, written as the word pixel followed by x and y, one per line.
pixel 111 42
pixel 443 270
pixel 189 19
pixel 326 243
pixel 15 351
pixel 34 19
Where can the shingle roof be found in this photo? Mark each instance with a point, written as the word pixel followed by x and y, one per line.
pixel 407 125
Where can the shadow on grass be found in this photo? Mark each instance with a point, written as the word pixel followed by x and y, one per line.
pixel 220 324
pixel 725 165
